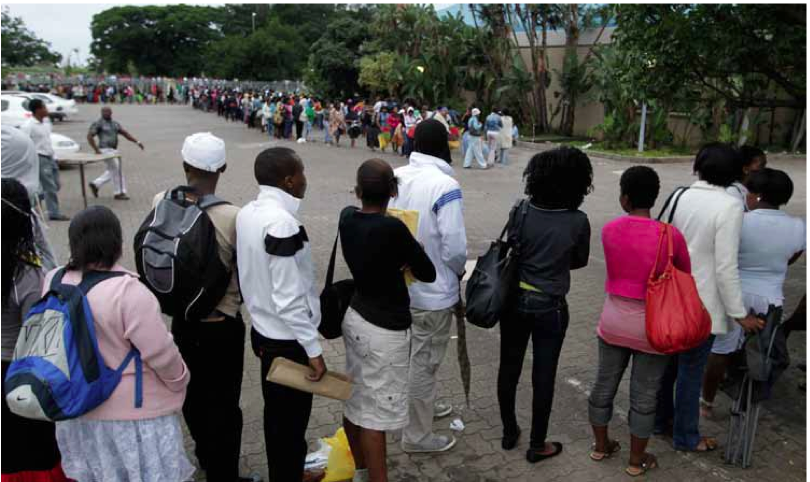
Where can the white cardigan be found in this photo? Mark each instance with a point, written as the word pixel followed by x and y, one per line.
pixel 710 220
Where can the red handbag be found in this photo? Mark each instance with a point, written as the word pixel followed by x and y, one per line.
pixel 676 319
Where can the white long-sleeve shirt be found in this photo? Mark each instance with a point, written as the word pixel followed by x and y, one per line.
pixel 427 186
pixel 276 273
pixel 710 220
pixel 40 133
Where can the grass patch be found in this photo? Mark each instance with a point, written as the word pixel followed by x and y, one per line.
pixel 664 151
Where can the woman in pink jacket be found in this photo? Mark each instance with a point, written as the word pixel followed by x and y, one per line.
pixel 631 248
pixel 117 442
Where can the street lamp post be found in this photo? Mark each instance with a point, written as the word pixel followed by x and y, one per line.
pixel 253 21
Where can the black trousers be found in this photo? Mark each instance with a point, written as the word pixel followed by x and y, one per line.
pixel 286 411
pixel 214 353
pixel 545 321
pixel 299 129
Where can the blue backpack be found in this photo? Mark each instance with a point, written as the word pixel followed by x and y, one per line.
pixel 57 372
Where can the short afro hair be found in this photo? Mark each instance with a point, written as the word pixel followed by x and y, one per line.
pixel 273 165
pixel 641 185
pixel 718 164
pixel 771 185
pixel 559 178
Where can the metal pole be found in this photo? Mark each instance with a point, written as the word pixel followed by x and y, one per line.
pixel 641 128
pixel 253 21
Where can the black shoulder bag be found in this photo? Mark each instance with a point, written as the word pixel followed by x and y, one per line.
pixel 335 299
pixel 676 195
pixel 495 275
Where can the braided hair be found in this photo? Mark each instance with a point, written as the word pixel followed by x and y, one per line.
pixel 559 178
pixel 18 235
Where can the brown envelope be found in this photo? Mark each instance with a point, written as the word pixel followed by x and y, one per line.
pixel 290 374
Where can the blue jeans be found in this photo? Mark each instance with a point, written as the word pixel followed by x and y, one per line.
pixel 49 182
pixel 683 379
pixel 504 158
pixel 270 127
pixel 307 129
pixel 326 137
pixel 288 124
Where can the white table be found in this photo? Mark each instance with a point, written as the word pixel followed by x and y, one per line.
pixel 83 158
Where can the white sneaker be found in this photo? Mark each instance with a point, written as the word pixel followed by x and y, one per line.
pixel 441 410
pixel 438 443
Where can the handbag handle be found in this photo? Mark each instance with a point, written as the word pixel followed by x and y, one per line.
pixel 330 271
pixel 676 194
pixel 665 232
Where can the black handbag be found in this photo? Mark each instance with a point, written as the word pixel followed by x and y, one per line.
pixel 495 275
pixel 335 300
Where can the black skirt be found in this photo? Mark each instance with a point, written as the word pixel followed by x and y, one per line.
pixel 372 136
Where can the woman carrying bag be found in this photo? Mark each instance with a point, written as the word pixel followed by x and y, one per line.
pixel 634 248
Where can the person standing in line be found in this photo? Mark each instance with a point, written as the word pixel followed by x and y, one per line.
pixel 428 187
pixel 117 441
pixel 376 329
pixel 38 128
pixel 442 115
pixel 710 220
pixel 554 239
pixel 752 159
pixel 631 245
pixel 30 451
pixel 299 115
pixel 277 279
pixel 492 126
pixel 506 138
pixel 763 262
pixel 309 112
pixel 107 131
pixel 474 147
pixel 337 124
pixel 211 408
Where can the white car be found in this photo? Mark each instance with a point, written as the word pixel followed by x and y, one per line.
pixel 58 108
pixel 63 145
pixel 14 110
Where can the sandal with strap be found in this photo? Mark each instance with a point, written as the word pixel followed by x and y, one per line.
pixel 649 462
pixel 613 446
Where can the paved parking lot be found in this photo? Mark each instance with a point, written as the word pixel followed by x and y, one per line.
pixel 781 440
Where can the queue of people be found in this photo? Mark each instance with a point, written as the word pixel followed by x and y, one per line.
pixel 396 329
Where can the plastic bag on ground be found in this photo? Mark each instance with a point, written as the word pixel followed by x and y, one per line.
pixel 340 463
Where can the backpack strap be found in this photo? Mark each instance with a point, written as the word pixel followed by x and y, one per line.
pixel 57 278
pixel 91 278
pixel 209 201
pixel 134 353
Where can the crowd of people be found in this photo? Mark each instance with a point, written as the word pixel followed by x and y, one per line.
pixel 384 124
pixel 397 328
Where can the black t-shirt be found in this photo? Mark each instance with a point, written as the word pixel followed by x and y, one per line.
pixel 553 242
pixel 376 247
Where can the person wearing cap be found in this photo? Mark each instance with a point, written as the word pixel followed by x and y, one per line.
pixel 474 148
pixel 427 185
pixel 107 131
pixel 214 347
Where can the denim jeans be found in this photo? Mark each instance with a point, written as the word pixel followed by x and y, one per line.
pixel 683 379
pixel 504 158
pixel 645 380
pixel 544 319
pixel 270 127
pixel 307 129
pixel 49 180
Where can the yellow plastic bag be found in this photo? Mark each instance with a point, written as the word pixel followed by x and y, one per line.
pixel 340 466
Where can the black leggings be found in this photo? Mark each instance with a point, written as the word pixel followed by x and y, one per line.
pixel 545 321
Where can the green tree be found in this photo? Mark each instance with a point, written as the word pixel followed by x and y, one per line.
pixel 740 56
pixel 333 68
pixel 21 47
pixel 273 52
pixel 158 40
pixel 378 75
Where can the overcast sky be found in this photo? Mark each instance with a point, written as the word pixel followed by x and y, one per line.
pixel 67 26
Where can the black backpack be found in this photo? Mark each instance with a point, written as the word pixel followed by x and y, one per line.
pixel 177 255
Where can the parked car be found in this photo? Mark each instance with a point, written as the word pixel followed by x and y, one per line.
pixel 58 108
pixel 14 110
pixel 63 145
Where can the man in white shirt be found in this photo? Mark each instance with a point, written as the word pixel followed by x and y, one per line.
pixel 39 129
pixel 427 186
pixel 276 276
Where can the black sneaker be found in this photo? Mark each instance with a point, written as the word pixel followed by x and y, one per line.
pixel 93 189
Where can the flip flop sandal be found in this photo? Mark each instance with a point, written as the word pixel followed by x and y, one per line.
pixel 709 442
pixel 650 462
pixel 613 447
